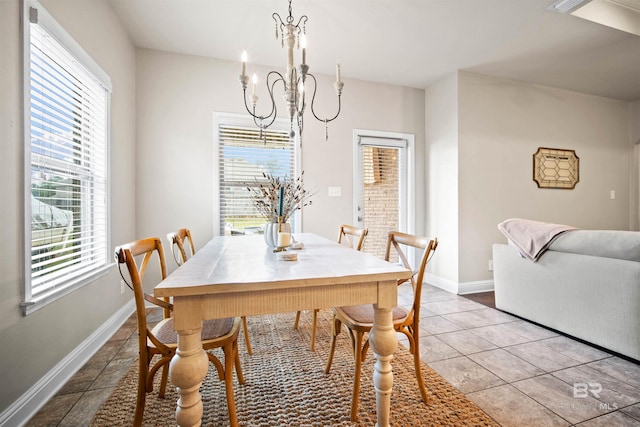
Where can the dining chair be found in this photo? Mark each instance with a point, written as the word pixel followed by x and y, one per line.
pixel 352 237
pixel 358 320
pixel 177 241
pixel 161 340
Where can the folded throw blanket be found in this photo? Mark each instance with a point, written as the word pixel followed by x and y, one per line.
pixel 531 238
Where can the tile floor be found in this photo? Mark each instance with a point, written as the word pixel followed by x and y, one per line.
pixel 518 373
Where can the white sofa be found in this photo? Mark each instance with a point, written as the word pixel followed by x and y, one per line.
pixel 586 284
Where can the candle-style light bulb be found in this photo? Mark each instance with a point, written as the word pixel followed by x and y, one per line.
pixel 255 83
pixel 303 43
pixel 301 88
pixel 244 63
pixel 337 71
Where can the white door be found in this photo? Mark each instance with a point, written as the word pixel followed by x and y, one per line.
pixel 383 179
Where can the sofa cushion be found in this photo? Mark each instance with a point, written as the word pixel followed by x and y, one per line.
pixel 603 243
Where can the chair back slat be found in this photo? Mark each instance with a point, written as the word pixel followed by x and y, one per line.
pixel 352 236
pixel 177 241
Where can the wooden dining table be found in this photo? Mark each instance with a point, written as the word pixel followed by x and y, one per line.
pixel 240 276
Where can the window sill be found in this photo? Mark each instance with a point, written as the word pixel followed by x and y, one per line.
pixel 40 301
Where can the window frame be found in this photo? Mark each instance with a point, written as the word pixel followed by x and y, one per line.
pixel 243 120
pixel 30 302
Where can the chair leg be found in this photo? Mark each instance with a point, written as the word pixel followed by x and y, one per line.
pixel 229 362
pixel 357 351
pixel 417 366
pixel 295 325
pixel 336 327
pixel 246 336
pixel 238 365
pixel 313 331
pixel 163 382
pixel 216 362
pixel 142 392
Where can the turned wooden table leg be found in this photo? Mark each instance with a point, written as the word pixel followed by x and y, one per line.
pixel 190 364
pixel 383 342
pixel 188 368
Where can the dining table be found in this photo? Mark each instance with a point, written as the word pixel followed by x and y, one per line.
pixel 233 276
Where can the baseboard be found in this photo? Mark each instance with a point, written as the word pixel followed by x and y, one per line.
pixel 458 288
pixel 23 409
pixel 442 283
pixel 475 287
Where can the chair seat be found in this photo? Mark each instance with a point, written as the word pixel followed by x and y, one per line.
pixel 211 330
pixel 362 315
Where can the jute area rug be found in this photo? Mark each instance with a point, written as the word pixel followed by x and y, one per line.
pixel 286 386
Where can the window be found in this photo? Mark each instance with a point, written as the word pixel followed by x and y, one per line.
pixel 243 154
pixel 66 146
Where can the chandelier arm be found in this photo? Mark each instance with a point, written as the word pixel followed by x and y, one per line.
pixel 313 98
pixel 244 92
pixel 270 86
pixel 303 19
pixel 274 107
pixel 274 110
pixel 276 17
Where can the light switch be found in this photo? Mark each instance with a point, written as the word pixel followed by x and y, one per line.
pixel 335 191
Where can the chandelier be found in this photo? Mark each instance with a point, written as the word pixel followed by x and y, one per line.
pixel 294 80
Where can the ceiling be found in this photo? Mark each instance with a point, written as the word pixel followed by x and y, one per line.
pixel 406 42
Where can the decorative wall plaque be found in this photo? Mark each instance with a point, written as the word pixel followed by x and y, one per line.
pixel 555 168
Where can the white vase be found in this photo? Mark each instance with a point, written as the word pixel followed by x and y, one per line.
pixel 271 233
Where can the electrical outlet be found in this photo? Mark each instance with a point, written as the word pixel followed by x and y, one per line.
pixel 123 287
pixel 490 265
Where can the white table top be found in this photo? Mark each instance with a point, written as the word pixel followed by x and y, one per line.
pixel 245 263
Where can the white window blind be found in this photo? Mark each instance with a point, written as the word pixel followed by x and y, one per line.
pixel 67 161
pixel 244 155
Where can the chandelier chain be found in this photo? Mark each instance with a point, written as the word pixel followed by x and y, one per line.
pixel 290 17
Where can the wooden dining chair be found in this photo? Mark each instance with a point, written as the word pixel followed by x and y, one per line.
pixel 358 320
pixel 352 237
pixel 161 340
pixel 177 241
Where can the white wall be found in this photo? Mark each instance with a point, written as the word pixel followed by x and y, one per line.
pixel 501 124
pixel 442 172
pixel 32 345
pixel 177 95
pixel 634 119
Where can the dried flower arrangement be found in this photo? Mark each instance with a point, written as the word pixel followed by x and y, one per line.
pixel 279 196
